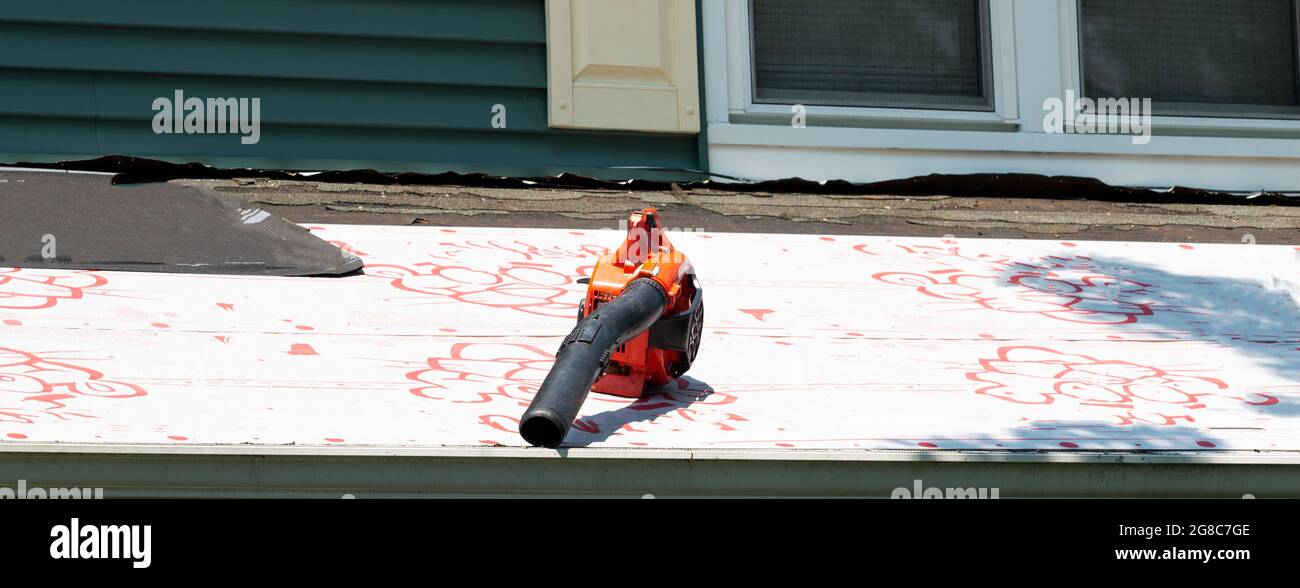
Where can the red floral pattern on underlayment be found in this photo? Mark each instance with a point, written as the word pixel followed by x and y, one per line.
pixel 34 388
pixel 516 251
pixel 526 280
pixel 503 377
pixel 1068 288
pixel 1125 391
pixel 29 289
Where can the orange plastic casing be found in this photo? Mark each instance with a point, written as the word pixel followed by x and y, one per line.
pixel 646 252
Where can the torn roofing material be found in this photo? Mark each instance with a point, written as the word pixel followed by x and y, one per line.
pixel 131 170
pixel 83 221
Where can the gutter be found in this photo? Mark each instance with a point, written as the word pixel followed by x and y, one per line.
pixel 376 471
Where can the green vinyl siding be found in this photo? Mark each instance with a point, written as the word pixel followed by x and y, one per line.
pixel 394 85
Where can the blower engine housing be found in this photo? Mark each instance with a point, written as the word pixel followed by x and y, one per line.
pixel 666 350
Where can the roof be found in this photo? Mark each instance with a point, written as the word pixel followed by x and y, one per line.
pixel 824 348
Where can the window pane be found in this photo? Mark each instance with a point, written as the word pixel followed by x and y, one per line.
pixel 1208 57
pixel 902 53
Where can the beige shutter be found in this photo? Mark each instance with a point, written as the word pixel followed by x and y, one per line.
pixel 623 65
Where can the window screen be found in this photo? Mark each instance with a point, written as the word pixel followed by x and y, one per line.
pixel 897 53
pixel 1192 57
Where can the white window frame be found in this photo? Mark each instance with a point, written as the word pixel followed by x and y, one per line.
pixel 1042 44
pixel 1072 78
pixel 740 106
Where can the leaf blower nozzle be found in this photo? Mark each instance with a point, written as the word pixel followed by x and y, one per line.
pixel 639 325
pixel 582 358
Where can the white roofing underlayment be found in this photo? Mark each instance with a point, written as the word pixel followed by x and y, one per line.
pixel 811 343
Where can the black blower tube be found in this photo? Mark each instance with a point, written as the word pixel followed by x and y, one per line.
pixel 583 357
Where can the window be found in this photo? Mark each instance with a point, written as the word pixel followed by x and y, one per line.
pixel 1221 58
pixel 931 54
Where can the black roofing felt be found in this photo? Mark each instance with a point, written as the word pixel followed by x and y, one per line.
pixel 131 170
pixel 84 221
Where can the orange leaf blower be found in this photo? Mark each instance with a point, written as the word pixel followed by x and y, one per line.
pixel 639 324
